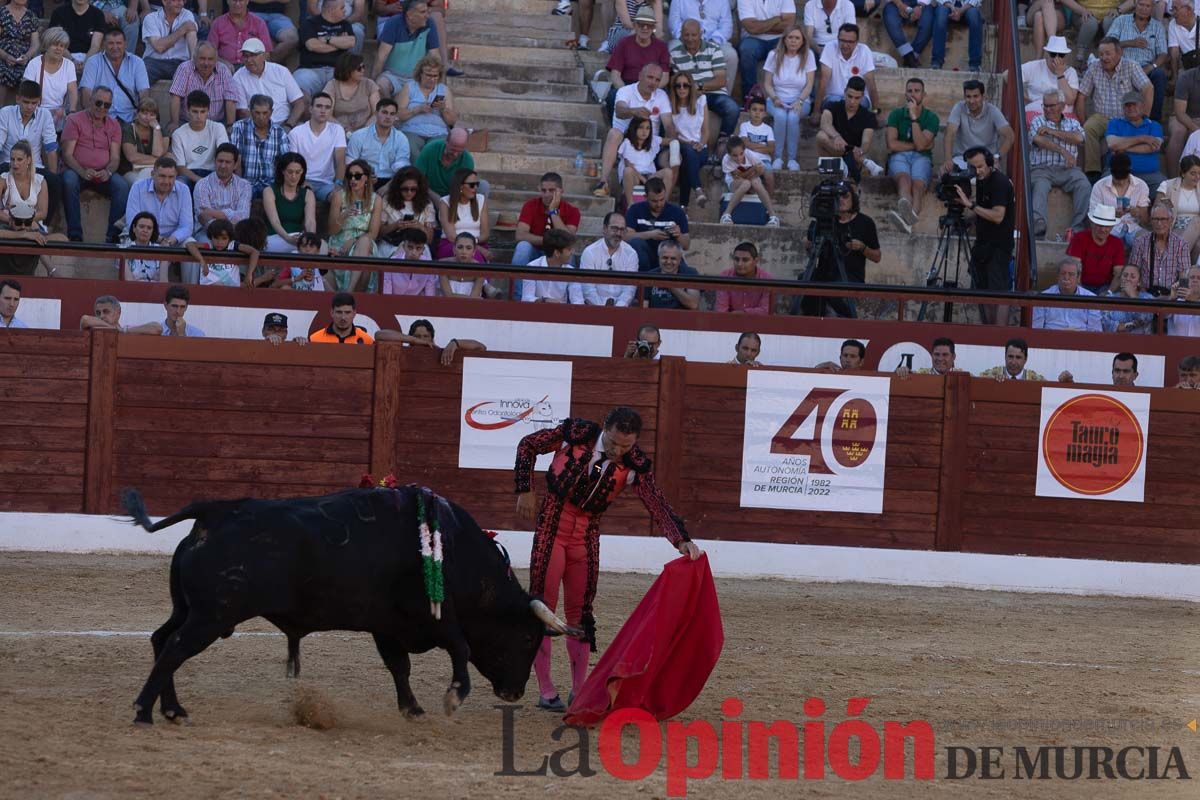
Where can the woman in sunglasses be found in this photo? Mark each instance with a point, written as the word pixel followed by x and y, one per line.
pixel 406 204
pixel 689 111
pixel 23 204
pixel 354 94
pixel 464 210
pixel 354 215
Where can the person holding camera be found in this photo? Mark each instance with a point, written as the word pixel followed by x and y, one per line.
pixel 992 210
pixel 857 240
pixel 646 345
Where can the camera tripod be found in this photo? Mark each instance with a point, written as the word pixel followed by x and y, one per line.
pixel 824 240
pixel 952 230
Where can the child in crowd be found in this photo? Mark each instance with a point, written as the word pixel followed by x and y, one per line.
pixel 220 236
pixel 743 172
pixel 637 156
pixel 759 138
pixel 303 279
pixel 413 247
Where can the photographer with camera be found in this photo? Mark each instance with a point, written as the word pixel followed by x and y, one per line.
pixel 992 210
pixel 646 344
pixel 844 239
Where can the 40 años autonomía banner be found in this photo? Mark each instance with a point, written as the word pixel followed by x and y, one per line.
pixel 1092 444
pixel 814 442
pixel 505 400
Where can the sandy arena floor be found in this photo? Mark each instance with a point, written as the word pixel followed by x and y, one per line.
pixel 983 668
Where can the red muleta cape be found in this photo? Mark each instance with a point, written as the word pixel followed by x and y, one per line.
pixel 663 655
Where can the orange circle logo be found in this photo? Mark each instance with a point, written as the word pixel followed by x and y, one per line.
pixel 1092 444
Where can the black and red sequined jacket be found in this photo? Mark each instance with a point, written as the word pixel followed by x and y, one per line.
pixel 571 481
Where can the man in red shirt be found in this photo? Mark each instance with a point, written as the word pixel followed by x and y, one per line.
pixel 540 213
pixel 634 52
pixel 1099 252
pixel 91 147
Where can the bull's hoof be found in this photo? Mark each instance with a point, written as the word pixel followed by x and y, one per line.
pixel 177 714
pixel 142 716
pixel 414 712
pixel 454 698
pixel 293 669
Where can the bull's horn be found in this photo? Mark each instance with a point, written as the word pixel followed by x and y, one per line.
pixel 548 617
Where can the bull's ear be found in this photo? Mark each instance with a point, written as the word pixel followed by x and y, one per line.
pixel 548 618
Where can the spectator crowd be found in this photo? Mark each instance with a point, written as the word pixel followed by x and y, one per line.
pixel 279 135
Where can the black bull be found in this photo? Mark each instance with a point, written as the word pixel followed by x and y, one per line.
pixel 346 561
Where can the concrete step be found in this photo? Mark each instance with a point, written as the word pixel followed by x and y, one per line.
pixel 550 126
pixel 495 51
pixel 483 17
pixel 532 110
pixel 520 6
pixel 529 163
pixel 510 71
pixel 521 38
pixel 564 147
pixel 518 91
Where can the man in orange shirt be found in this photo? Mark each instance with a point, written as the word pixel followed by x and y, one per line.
pixel 342 330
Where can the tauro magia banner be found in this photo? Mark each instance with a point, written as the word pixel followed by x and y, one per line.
pixel 1092 444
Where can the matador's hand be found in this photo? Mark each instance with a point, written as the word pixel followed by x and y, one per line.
pixel 527 506
pixel 690 550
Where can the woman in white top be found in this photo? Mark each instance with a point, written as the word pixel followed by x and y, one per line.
pixel 1184 195
pixel 637 153
pixel 24 199
pixel 464 210
pixel 1049 74
pixel 144 229
pixel 689 112
pixel 55 73
pixel 788 82
pixel 462 285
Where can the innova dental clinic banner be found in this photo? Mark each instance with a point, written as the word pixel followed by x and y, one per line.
pixel 815 442
pixel 504 400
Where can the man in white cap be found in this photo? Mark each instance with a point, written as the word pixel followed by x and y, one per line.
pixel 1097 251
pixel 1062 318
pixel 1050 73
pixel 1054 161
pixel 260 76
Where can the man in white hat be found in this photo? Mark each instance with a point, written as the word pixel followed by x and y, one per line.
pixel 260 76
pixel 1062 318
pixel 1050 73
pixel 1097 250
pixel 1054 161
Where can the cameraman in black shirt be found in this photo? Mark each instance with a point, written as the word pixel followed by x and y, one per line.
pixel 992 210
pixel 856 240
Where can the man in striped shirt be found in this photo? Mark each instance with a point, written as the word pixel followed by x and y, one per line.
pixel 204 73
pixel 1054 162
pixel 705 62
pixel 259 141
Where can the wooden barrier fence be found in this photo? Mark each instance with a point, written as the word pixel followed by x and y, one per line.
pixel 84 415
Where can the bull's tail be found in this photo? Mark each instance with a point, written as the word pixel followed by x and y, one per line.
pixel 135 506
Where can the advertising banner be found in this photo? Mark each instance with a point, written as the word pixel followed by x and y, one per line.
pixel 814 442
pixel 1092 444
pixel 504 400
